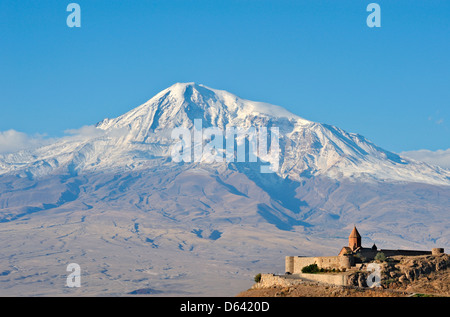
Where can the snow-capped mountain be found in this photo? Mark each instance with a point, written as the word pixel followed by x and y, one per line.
pixel 112 199
pixel 142 137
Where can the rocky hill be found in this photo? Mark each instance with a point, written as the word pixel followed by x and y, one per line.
pixel 401 276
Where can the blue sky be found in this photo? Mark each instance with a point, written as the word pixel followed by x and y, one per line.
pixel 316 58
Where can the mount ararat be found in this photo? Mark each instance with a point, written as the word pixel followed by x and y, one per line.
pixel 113 200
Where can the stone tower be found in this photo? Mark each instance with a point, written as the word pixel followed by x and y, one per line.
pixel 354 240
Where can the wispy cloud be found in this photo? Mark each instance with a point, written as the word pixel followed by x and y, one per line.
pixel 436 118
pixel 13 141
pixel 90 131
pixel 440 157
pixel 87 131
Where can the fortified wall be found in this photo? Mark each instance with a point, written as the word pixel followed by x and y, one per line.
pixel 269 280
pixel 294 264
pixel 349 256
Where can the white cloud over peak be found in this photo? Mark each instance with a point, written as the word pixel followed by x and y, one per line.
pixel 440 157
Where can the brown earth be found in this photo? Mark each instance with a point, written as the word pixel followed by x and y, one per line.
pixel 317 290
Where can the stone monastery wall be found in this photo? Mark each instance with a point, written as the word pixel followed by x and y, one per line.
pixel 294 264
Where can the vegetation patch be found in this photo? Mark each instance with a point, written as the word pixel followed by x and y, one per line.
pixel 312 268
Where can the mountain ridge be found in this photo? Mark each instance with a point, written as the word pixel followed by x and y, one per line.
pixel 143 133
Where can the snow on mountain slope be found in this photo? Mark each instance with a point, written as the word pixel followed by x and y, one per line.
pixel 142 137
pixel 110 198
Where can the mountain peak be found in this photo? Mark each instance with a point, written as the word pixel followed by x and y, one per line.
pixel 178 89
pixel 191 92
pixel 143 136
pixel 181 103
